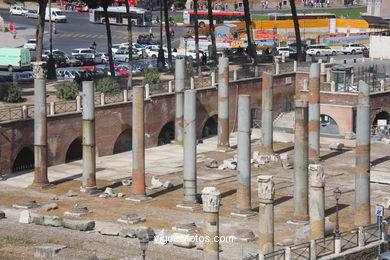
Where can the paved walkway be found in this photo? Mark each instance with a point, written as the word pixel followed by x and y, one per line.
pixel 160 160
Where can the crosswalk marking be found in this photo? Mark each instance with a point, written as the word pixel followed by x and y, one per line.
pixel 98 36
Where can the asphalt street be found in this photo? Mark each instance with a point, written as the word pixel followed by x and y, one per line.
pixel 78 32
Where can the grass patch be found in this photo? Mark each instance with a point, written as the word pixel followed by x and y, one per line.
pixel 15 242
pixel 257 17
pixel 342 13
pixel 178 19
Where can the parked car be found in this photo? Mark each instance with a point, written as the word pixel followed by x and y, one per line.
pixel 320 50
pixel 353 48
pixel 67 74
pixel 30 44
pixel 71 61
pixel 146 39
pixel 286 50
pixel 366 53
pixel 85 60
pixel 384 256
pixel 26 76
pixel 17 10
pixel 115 47
pixel 82 51
pixel 32 14
pixel 92 69
pixel 152 51
pixel 54 52
pixel 123 55
pixel 82 8
pixel 59 60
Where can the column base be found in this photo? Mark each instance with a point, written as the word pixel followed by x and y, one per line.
pixel 189 205
pixel 298 221
pixel 244 213
pixel 139 198
pixel 40 185
pixel 90 190
pixel 223 149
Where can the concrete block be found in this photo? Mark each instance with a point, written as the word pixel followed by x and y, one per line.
pixel 110 231
pixel 127 232
pixel 50 206
pixel 81 225
pixel 53 221
pixel 47 251
pixel 182 240
pixel 245 235
pixel 25 217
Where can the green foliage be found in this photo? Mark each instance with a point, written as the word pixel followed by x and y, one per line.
pixel 180 4
pixel 10 2
pixel 11 93
pixel 108 85
pixel 214 69
pixel 189 70
pixel 67 90
pixel 13 241
pixel 153 79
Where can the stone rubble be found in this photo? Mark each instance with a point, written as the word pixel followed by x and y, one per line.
pixel 50 206
pixel 126 182
pixel 110 231
pixel 168 185
pixel 155 183
pixel 25 217
pixel 336 146
pixel 71 193
pixel 2 214
pixel 211 163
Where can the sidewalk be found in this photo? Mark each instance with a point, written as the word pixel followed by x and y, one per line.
pixel 7 40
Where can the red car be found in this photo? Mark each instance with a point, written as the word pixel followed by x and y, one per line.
pixel 121 69
pixel 82 8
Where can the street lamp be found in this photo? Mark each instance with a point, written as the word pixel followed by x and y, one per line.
pixel 51 70
pixel 93 46
pixel 161 58
pixel 185 48
pixel 143 244
pixel 337 195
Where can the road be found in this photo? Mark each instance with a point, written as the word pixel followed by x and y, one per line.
pixel 78 32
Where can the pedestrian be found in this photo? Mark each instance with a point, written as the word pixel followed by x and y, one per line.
pixel 204 58
pixel 280 5
pixel 151 32
pixel 89 76
pixel 78 82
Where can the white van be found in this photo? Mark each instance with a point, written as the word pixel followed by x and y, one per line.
pixel 56 15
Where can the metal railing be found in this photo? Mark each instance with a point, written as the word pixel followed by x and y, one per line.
pixel 371 233
pixel 300 251
pixel 325 246
pixel 11 113
pixel 65 106
pixel 113 98
pixel 349 239
pixel 275 255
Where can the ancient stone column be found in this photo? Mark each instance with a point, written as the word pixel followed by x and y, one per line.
pixel 266 191
pixel 179 99
pixel 362 166
pixel 40 125
pixel 322 73
pixel 301 207
pixel 244 157
pixel 223 104
pixel 89 147
pixel 266 114
pixel 317 201
pixel 138 145
pixel 211 198
pixel 314 113
pixel 189 181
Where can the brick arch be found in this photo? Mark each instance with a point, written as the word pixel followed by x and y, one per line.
pixel 213 115
pixel 166 133
pixel 343 116
pixel 330 126
pixel 120 140
pixel 24 159
pixel 382 112
pixel 75 150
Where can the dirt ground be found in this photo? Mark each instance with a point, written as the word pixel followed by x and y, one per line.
pixel 161 214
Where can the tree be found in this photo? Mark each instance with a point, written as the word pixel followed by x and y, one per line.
pixel 168 34
pixel 196 28
pixel 249 34
pixel 212 32
pixel 130 40
pixel 40 29
pixel 300 56
pixel 105 4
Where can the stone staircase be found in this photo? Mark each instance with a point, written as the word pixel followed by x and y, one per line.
pixel 285 120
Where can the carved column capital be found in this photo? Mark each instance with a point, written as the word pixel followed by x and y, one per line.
pixel 266 189
pixel 211 198
pixel 317 175
pixel 39 69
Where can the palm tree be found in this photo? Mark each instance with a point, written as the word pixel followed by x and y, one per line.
pixel 105 4
pixel 300 56
pixel 40 29
pixel 130 40
pixel 168 35
pixel 212 32
pixel 248 25
pixel 196 28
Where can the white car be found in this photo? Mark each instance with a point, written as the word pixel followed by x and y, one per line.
pixel 82 51
pixel 286 50
pixel 123 55
pixel 67 74
pixel 17 10
pixel 31 44
pixel 320 50
pixel 353 48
